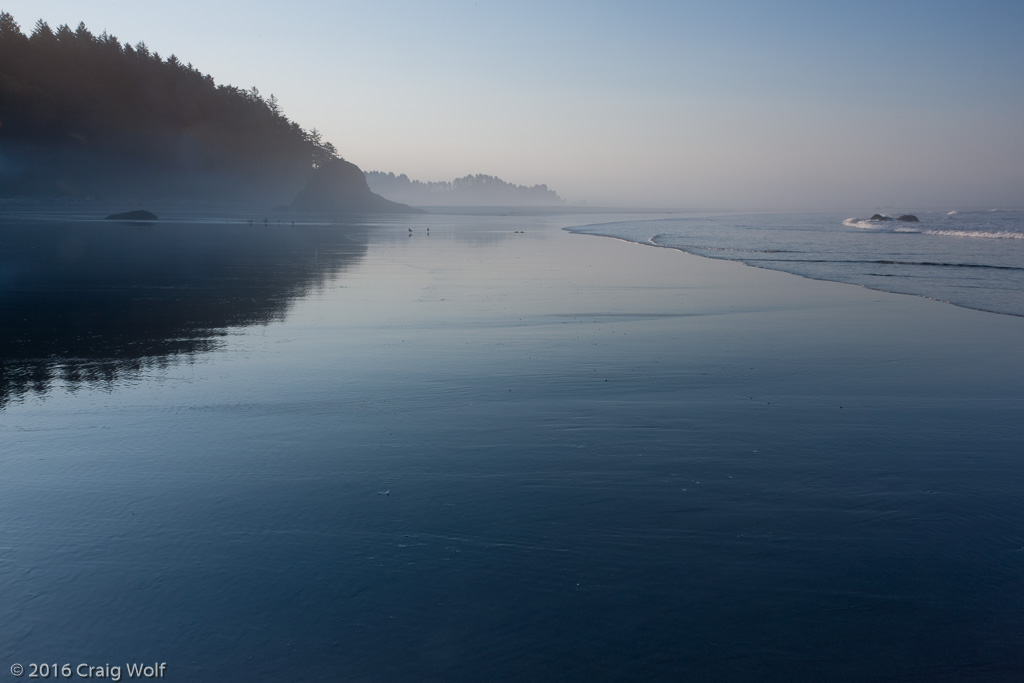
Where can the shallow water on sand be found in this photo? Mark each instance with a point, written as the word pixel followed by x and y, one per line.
pixel 495 452
pixel 973 259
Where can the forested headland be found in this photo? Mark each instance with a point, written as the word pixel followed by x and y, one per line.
pixel 84 116
pixel 470 190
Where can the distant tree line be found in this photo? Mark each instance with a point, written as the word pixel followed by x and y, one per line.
pixel 84 115
pixel 470 190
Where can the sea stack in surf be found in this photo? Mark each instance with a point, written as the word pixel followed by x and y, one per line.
pixel 339 186
pixel 906 218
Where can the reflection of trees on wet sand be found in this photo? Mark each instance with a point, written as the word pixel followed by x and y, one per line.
pixel 87 303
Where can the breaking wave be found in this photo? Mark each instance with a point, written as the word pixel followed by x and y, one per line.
pixel 863 223
pixel 888 224
pixel 997 235
pixel 982 231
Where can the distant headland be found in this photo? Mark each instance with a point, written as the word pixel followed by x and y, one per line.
pixel 85 117
pixel 470 190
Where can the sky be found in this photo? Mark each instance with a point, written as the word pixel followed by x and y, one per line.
pixel 904 104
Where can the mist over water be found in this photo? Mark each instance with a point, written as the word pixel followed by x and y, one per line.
pixel 480 447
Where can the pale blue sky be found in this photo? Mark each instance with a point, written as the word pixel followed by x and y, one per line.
pixel 910 104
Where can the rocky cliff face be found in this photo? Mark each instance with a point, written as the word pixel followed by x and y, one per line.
pixel 340 187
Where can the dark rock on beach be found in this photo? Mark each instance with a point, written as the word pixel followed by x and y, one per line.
pixel 879 217
pixel 138 215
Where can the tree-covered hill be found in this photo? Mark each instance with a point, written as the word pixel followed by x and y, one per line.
pixel 86 116
pixel 470 190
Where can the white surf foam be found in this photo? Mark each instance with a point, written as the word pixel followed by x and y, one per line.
pixel 888 225
pixel 865 223
pixel 986 234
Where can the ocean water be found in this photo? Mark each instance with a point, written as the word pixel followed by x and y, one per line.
pixel 441 448
pixel 973 259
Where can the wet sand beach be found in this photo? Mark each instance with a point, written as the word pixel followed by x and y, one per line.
pixel 602 461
